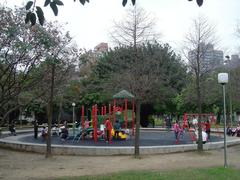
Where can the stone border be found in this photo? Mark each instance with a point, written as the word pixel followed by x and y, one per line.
pixel 13 143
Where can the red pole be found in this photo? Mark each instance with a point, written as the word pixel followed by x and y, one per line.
pixel 95 123
pixel 83 123
pixel 133 117
pixel 185 124
pixel 114 110
pixel 105 110
pixel 109 111
pixel 125 114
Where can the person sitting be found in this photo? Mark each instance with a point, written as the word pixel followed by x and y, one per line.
pixel 54 130
pixel 64 133
pixel 87 124
pixel 238 130
pixel 229 131
pixel 12 129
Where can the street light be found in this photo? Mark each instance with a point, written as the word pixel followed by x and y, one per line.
pixel 73 125
pixel 223 79
pixel 230 88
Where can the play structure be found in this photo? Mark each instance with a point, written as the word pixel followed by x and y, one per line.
pixel 98 126
pixel 189 126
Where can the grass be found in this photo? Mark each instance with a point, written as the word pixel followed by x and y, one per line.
pixel 218 173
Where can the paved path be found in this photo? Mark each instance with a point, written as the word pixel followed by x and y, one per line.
pixel 23 166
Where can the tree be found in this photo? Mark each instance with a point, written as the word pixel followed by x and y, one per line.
pixel 131 33
pixel 21 50
pixel 35 12
pixel 136 28
pixel 145 78
pixel 198 41
pixel 55 69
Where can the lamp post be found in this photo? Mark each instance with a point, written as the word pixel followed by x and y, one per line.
pixel 230 89
pixel 73 125
pixel 223 79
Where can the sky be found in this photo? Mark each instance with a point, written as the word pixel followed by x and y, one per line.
pixel 90 24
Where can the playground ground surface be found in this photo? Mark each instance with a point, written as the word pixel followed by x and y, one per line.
pixel 22 165
pixel 147 138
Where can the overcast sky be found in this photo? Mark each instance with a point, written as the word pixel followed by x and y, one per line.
pixel 90 24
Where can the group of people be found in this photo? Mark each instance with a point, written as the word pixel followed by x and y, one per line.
pixel 62 131
pixel 178 130
pixel 234 131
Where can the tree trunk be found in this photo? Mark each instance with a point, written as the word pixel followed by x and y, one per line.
pixel 59 113
pixel 137 135
pixel 50 112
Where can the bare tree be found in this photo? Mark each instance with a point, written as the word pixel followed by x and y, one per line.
pixel 135 29
pixel 199 40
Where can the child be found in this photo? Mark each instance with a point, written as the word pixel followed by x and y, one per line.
pixel 208 128
pixel 176 130
pixel 108 129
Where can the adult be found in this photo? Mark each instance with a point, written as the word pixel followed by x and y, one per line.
pixel 204 136
pixel 35 129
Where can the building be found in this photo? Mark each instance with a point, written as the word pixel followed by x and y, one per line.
pixel 234 61
pixel 101 48
pixel 209 57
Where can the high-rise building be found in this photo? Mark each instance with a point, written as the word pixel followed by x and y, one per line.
pixel 234 61
pixel 209 57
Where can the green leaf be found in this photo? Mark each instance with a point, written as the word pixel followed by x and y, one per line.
pixel 40 15
pixel 199 2
pixel 54 8
pixel 82 2
pixel 29 5
pixel 33 19
pixel 58 2
pixel 124 2
pixel 133 2
pixel 47 2
pixel 27 19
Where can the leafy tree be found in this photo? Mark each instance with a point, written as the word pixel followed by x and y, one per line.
pixel 145 77
pixel 21 50
pixel 54 71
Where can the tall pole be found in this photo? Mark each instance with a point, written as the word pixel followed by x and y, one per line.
pixel 225 146
pixel 230 89
pixel 73 124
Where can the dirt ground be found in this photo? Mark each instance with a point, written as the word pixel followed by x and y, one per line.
pixel 21 165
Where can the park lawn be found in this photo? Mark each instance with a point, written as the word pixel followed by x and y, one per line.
pixel 218 173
